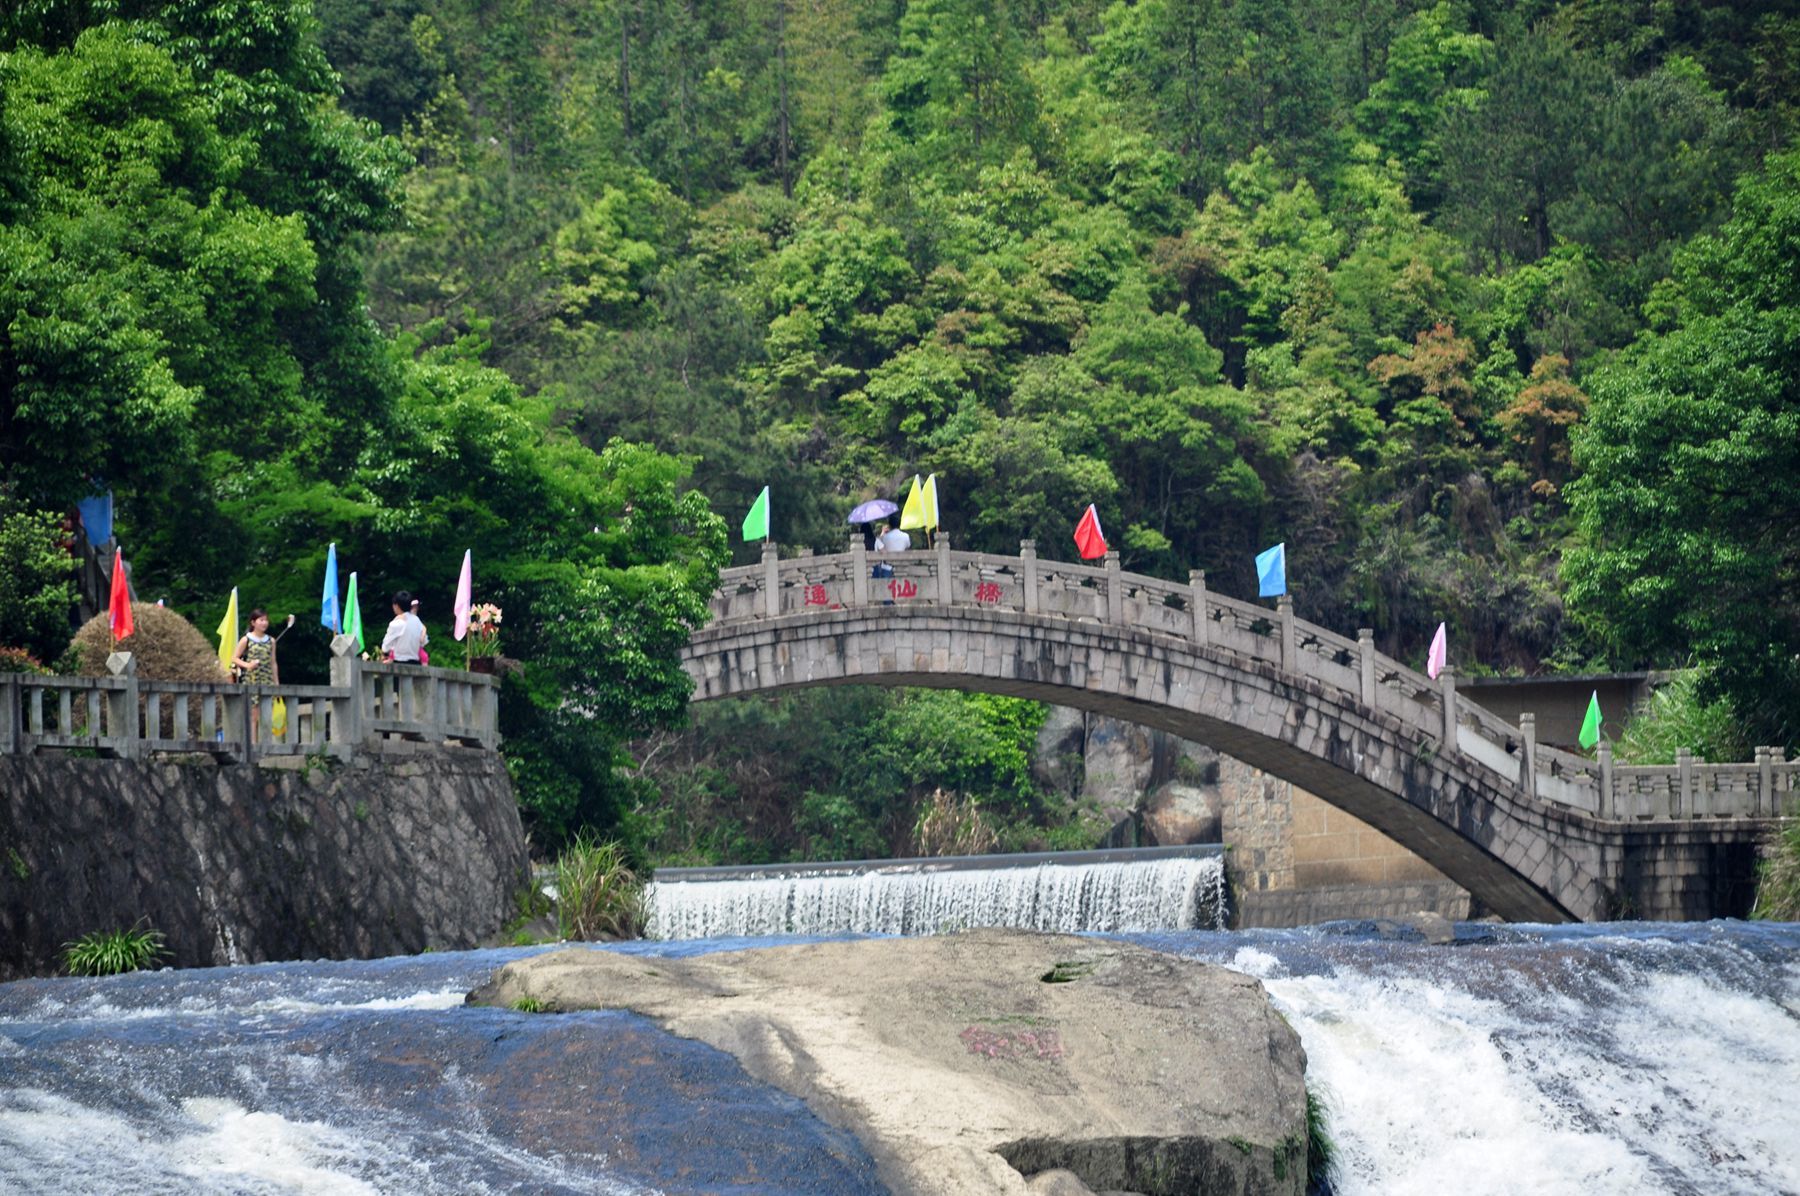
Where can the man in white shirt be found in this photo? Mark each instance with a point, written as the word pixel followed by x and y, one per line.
pixel 405 635
pixel 893 539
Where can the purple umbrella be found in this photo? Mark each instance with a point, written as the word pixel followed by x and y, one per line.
pixel 875 508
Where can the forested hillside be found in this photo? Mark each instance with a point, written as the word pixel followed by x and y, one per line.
pixel 1487 309
pixel 1339 274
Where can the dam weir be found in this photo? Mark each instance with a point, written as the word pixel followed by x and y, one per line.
pixel 1126 890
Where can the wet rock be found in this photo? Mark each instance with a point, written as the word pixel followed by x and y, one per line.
pixel 965 1063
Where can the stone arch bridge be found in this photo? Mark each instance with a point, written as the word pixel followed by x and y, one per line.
pixel 1532 832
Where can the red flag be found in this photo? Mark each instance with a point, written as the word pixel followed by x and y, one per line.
pixel 118 603
pixel 1087 535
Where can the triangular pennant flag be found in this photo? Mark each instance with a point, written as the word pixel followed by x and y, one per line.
pixel 913 513
pixel 1590 726
pixel 929 497
pixel 465 595
pixel 1089 540
pixel 1439 655
pixel 330 614
pixel 756 523
pixel 353 615
pixel 118 600
pixel 1271 571
pixel 228 631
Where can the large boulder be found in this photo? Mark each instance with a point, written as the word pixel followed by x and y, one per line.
pixel 1177 814
pixel 969 1063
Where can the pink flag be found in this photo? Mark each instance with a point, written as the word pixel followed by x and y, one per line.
pixel 465 596
pixel 1440 654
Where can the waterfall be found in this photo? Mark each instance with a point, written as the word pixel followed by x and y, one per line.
pixel 1120 891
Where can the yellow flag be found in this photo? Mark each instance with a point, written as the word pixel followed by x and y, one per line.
pixel 228 632
pixel 913 513
pixel 929 495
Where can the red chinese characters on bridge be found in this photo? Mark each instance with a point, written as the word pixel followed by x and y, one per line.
pixel 988 592
pixel 815 596
pixel 902 587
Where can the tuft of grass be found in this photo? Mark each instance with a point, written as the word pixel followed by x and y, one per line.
pixel 528 1005
pixel 1321 1151
pixel 1778 876
pixel 597 893
pixel 1675 716
pixel 112 952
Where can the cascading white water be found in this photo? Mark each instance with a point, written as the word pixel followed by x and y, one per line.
pixel 1182 893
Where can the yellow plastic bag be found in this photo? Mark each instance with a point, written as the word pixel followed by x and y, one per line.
pixel 278 719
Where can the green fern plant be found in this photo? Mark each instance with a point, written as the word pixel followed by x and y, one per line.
pixel 112 952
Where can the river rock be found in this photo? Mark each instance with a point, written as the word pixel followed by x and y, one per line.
pixel 1178 814
pixel 966 1063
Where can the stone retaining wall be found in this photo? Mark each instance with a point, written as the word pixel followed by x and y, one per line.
pixel 388 853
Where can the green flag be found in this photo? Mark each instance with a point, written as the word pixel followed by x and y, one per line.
pixel 353 615
pixel 756 523
pixel 1590 726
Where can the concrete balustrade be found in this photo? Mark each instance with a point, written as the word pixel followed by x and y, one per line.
pixel 367 703
pixel 1260 635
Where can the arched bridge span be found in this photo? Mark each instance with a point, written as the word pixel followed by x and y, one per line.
pixel 1533 832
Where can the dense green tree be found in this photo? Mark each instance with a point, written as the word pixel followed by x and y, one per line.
pixel 37 587
pixel 1691 536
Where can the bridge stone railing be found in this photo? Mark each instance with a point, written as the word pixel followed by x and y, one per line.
pixel 121 716
pixel 1347 669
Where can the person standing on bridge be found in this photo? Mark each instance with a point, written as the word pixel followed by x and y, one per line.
pixel 893 539
pixel 405 635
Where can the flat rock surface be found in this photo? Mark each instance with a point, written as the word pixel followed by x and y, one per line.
pixel 967 1063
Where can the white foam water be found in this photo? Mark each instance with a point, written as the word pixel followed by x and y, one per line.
pixel 1183 893
pixel 1613 1070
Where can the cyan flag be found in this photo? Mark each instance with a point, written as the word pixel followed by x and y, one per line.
pixel 330 613
pixel 1271 571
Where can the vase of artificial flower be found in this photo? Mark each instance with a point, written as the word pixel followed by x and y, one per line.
pixel 484 637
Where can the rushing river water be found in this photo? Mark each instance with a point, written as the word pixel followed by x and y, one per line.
pixel 1626 1058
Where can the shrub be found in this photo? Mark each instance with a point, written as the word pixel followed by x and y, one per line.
pixel 597 893
pixel 167 647
pixel 951 825
pixel 1778 876
pixel 18 660
pixel 110 952
pixel 1677 716
pixel 37 579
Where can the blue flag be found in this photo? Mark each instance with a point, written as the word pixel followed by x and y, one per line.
pixel 330 613
pixel 1271 571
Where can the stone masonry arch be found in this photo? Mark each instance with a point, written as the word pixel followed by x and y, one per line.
pixel 1534 834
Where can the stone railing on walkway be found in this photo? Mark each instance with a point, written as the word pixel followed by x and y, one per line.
pixel 366 703
pixel 1348 670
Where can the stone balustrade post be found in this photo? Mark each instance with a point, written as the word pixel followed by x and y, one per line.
pixel 1365 659
pixel 122 707
pixel 1766 806
pixel 771 562
pixel 859 572
pixel 11 697
pixel 1197 605
pixel 1284 615
pixel 944 589
pixel 1684 771
pixel 346 729
pixel 1028 564
pixel 1447 699
pixel 1608 806
pixel 1115 589
pixel 1527 753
